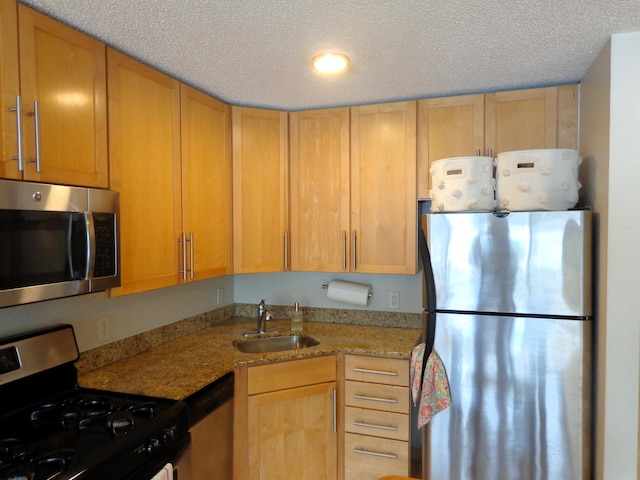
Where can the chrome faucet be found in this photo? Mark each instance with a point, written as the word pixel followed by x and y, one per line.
pixel 263 317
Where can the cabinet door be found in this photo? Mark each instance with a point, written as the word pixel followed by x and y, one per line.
pixel 212 445
pixel 144 146
pixel 9 89
pixel 206 184
pixel 63 70
pixel 448 127
pixel 260 193
pixel 293 435
pixel 320 190
pixel 383 188
pixel 521 120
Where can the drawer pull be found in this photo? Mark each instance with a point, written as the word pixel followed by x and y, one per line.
pixel 374 454
pixel 375 372
pixel 375 399
pixel 379 427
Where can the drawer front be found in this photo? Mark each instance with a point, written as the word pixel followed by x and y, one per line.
pixel 369 458
pixel 292 374
pixel 390 371
pixel 388 398
pixel 377 423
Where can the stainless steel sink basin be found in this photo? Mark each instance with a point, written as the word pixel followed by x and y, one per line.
pixel 275 344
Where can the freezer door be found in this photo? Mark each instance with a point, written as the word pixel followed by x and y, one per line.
pixel 520 391
pixel 535 263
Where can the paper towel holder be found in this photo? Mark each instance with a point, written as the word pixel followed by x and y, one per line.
pixel 326 285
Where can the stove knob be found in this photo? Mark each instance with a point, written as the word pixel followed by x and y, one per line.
pixel 169 435
pixel 153 445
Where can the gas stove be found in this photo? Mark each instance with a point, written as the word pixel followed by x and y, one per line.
pixel 50 428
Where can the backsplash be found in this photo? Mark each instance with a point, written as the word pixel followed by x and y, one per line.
pixel 121 349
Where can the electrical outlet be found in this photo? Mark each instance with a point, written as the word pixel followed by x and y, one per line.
pixel 104 329
pixel 219 296
pixel 394 300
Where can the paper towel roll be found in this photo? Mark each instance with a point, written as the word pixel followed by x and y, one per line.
pixel 348 292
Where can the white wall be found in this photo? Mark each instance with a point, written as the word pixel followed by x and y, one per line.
pixel 610 142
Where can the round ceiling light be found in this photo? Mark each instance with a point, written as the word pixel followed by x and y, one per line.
pixel 330 63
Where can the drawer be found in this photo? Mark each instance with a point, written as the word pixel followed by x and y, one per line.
pixel 296 373
pixel 376 396
pixel 369 458
pixel 390 371
pixel 376 423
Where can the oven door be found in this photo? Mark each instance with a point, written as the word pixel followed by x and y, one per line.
pixel 178 456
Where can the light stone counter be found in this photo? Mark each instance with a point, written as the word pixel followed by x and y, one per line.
pixel 183 366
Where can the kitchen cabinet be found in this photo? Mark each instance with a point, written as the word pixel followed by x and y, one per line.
pixel 285 420
pixel 212 445
pixel 383 188
pixel 376 417
pixel 206 186
pixel 144 147
pixel 62 91
pixel 170 161
pixel 320 190
pixel 495 122
pixel 260 190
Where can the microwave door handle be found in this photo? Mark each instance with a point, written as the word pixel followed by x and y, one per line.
pixel 91 242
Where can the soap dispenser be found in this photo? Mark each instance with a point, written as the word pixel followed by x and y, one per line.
pixel 296 320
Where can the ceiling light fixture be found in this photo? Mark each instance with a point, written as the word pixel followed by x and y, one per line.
pixel 330 63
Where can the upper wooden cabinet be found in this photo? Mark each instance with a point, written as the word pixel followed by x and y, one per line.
pixel 320 190
pixel 206 185
pixel 62 92
pixel 260 190
pixel 493 123
pixel 383 188
pixel 144 147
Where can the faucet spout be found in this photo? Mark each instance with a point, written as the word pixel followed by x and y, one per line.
pixel 263 317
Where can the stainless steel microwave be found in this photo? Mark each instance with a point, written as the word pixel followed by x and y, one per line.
pixel 56 241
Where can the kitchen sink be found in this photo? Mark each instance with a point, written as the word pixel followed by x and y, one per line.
pixel 275 344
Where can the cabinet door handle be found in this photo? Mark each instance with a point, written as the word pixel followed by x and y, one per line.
pixel 372 425
pixel 191 249
pixel 374 454
pixel 286 251
pixel 183 242
pixel 18 110
pixel 344 251
pixel 376 372
pixel 335 413
pixel 36 122
pixel 375 399
pixel 354 250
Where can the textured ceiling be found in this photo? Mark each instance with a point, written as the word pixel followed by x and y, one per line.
pixel 257 52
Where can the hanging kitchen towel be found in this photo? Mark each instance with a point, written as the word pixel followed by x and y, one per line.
pixel 429 384
pixel 165 474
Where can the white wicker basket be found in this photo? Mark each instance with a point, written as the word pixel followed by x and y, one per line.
pixel 461 184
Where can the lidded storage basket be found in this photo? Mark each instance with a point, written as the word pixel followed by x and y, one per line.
pixel 537 179
pixel 462 184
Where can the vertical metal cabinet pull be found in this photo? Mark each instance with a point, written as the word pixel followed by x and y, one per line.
pixel 344 250
pixel 286 250
pixel 335 413
pixel 36 122
pixel 374 454
pixel 183 240
pixel 18 110
pixel 193 268
pixel 353 250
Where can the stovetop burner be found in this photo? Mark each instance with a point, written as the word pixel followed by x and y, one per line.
pixel 68 432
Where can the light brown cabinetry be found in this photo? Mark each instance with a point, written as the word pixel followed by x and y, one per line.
pixel 353 189
pixel 260 190
pixel 320 190
pixel 173 175
pixel 376 417
pixel 212 445
pixel 59 104
pixel 495 122
pixel 285 421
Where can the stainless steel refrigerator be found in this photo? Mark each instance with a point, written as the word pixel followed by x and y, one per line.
pixel 514 325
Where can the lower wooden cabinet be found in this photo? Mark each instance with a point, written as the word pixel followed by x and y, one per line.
pixel 376 417
pixel 212 445
pixel 285 421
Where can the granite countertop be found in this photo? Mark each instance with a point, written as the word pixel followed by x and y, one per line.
pixel 183 366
